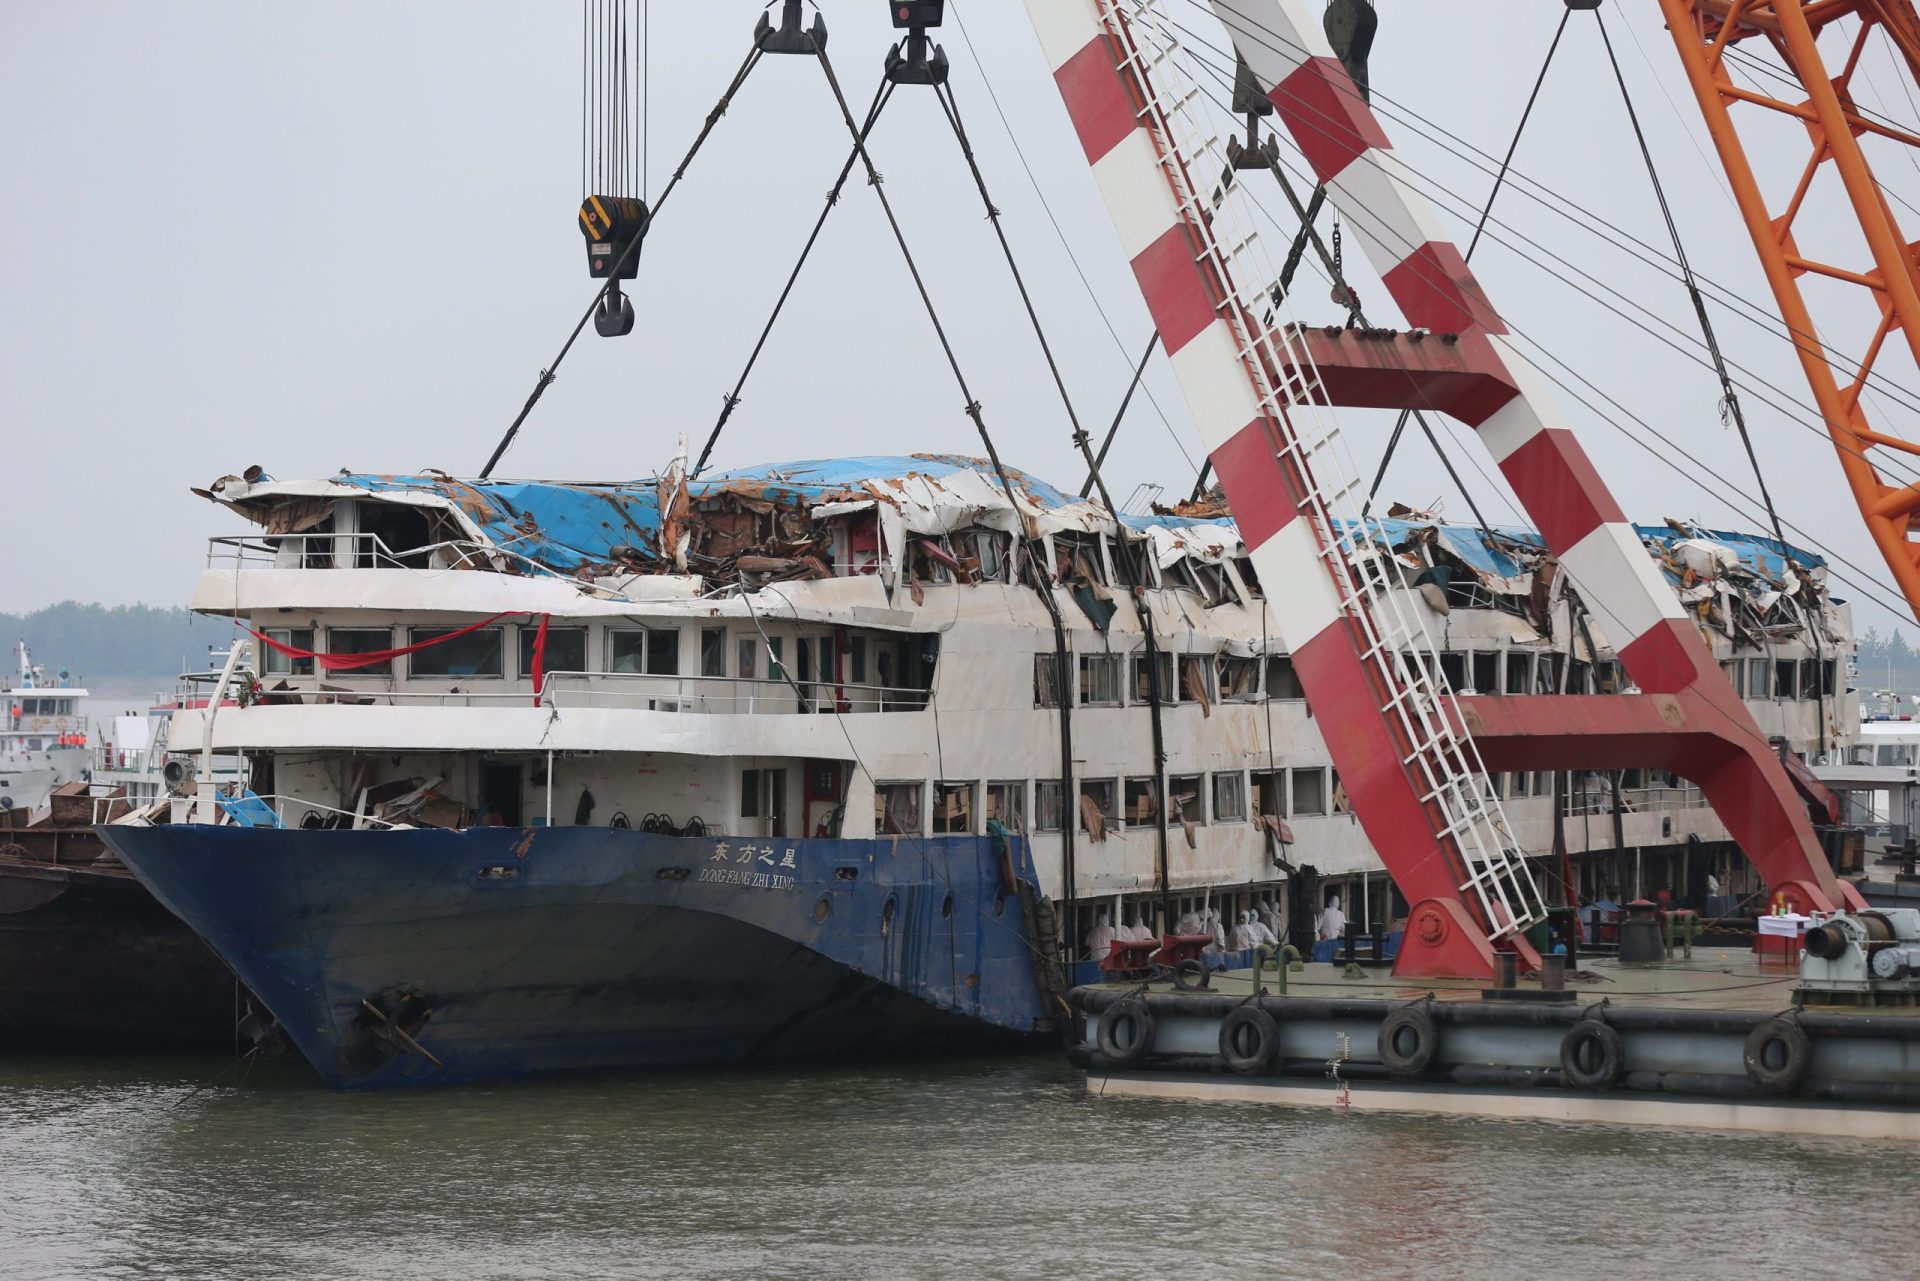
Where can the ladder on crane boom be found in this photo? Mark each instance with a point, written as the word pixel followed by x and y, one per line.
pixel 1412 757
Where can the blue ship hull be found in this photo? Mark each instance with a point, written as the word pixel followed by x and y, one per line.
pixel 427 956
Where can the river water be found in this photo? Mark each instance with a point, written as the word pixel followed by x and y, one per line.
pixel 989 1169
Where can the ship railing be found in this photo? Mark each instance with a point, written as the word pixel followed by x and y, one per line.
pixel 292 811
pixel 370 551
pixel 1597 799
pixel 724 694
pixel 631 691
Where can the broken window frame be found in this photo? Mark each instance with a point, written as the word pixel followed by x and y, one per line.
pixel 1274 784
pixel 962 823
pixel 1006 799
pixel 1249 577
pixel 1106 797
pixel 1138 691
pixel 1138 789
pixel 899 808
pixel 1546 673
pixel 1484 666
pixel 1786 679
pixel 1210 580
pixel 1194 785
pixel 1281 682
pixel 1100 674
pixel 1517 676
pixel 1453 669
pixel 1202 664
pixel 1735 670
pixel 1243 672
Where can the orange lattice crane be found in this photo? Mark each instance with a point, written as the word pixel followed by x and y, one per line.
pixel 1886 487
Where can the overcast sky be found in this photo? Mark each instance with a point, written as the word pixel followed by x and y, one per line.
pixel 342 235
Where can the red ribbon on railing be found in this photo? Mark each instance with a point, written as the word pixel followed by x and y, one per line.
pixel 540 658
pixel 348 662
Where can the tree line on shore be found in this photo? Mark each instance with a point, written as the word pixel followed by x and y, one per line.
pixel 95 642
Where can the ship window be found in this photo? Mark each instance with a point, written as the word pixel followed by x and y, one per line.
pixel 953 808
pixel 746 656
pixel 278 664
pixel 1046 680
pixel 361 640
pixel 1049 808
pixel 1606 677
pixel 896 809
pixel 1196 679
pixel 857 660
pixel 1143 692
pixel 1244 564
pixel 1759 678
pixel 566 650
pixel 1007 805
pixel 1829 671
pixel 1239 679
pixel 713 651
pixel 474 654
pixel 1282 680
pixel 1519 673
pixel 1142 800
pixel 1736 673
pixel 1309 791
pixel 652 652
pixel 1785 674
pixel 1341 805
pixel 1185 799
pixel 1100 680
pixel 1453 670
pixel 1486 672
pixel 1213 583
pixel 1103 793
pixel 1270 792
pixel 1546 674
pixel 1577 676
pixel 1229 797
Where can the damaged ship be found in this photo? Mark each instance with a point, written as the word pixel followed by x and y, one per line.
pixel 840 757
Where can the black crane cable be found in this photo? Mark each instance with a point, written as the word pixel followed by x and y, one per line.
pixel 548 374
pixel 1042 572
pixel 732 399
pixel 1139 371
pixel 1730 399
pixel 1486 209
pixel 1128 568
pixel 1864 583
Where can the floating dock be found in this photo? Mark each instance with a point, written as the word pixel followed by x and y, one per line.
pixel 1712 1041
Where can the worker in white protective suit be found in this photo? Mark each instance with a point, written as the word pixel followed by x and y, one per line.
pixel 1137 930
pixel 1190 924
pixel 1260 934
pixel 1099 938
pixel 1270 918
pixel 1243 933
pixel 1210 926
pixel 1333 922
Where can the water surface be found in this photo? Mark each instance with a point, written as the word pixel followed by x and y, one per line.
pixel 996 1169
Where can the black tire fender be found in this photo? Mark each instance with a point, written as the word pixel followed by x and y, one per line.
pixel 1191 975
pixel 1253 1027
pixel 1592 1056
pixel 1408 1041
pixel 1126 1032
pixel 1778 1055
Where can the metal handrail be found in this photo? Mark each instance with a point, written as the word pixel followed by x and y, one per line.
pixel 659 691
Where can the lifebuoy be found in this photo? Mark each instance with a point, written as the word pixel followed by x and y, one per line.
pixel 1249 1039
pixel 1778 1055
pixel 60 723
pixel 1592 1056
pixel 1407 1041
pixel 1126 1031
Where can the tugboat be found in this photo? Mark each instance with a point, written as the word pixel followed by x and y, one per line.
pixel 43 740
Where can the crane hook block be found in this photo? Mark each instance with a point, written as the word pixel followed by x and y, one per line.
pixel 614 227
pixel 1350 25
